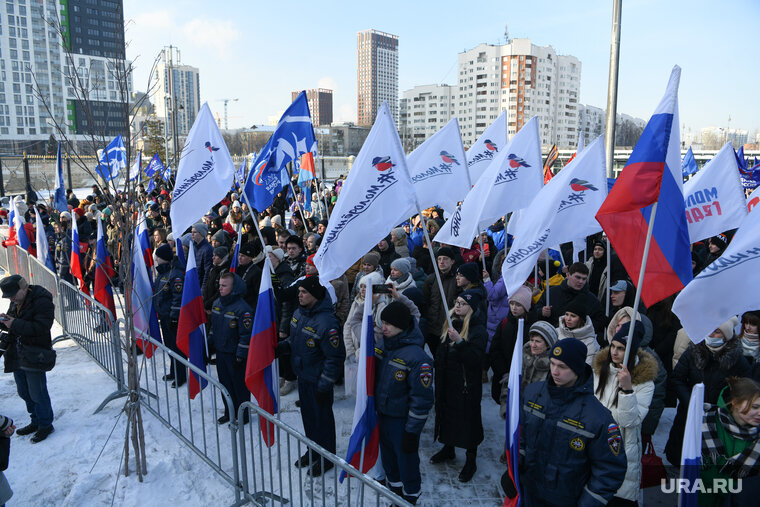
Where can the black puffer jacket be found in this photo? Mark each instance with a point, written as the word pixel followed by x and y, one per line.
pixel 33 320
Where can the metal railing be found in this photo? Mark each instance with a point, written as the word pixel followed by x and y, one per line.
pixel 42 276
pixel 4 259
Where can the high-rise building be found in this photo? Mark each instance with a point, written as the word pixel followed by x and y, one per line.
pixel 423 111
pixel 38 87
pixel 592 122
pixel 178 86
pixel 523 79
pixel 320 105
pixel 377 76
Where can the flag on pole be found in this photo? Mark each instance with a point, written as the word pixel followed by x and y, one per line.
pixel 240 173
pixel 513 417
pixel 482 152
pixel 191 329
pixel 714 197
pixel 112 159
pixel 689 164
pixel 143 311
pixel 144 242
pixel 306 174
pixel 17 219
pixel 75 261
pixel 691 450
pixel 753 199
pixel 151 185
pixel 59 198
pixel 103 273
pixel 510 183
pixel 261 372
pixel 293 136
pixel 376 196
pixel 563 210
pixel 154 166
pixel 651 175
pixel 43 249
pixel 725 288
pixel 167 174
pixel 438 170
pixel 234 260
pixel 363 445
pixel 551 157
pixel 205 172
pixel 136 169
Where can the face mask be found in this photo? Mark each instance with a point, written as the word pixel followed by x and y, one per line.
pixel 713 342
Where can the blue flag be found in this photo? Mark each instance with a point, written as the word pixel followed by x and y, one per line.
pixel 59 200
pixel 293 136
pixel 689 164
pixel 151 185
pixel 112 159
pixel 154 166
pixel 167 174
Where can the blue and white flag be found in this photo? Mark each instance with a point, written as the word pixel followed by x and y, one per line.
pixel 439 169
pixel 691 449
pixel 689 164
pixel 510 183
pixel 563 210
pixel 293 136
pixel 204 174
pixel 136 169
pixel 151 185
pixel 167 174
pixel 725 288
pixel 112 160
pixel 43 249
pixel 16 219
pixel 240 173
pixel 714 197
pixel 482 152
pixel 512 447
pixel 154 166
pixel 59 198
pixel 376 196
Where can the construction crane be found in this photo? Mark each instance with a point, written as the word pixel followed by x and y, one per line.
pixel 226 101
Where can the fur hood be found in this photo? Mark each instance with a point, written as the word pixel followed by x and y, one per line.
pixel 646 368
pixel 727 357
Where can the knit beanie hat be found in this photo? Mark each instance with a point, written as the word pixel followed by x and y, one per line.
pixel 372 258
pixel 220 236
pixel 470 271
pixel 721 241
pixel 373 278
pixel 473 297
pixel 572 352
pixel 446 252
pixel 622 337
pixel 311 285
pixel 402 265
pixel 277 252
pixel 397 314
pixel 579 308
pixel 522 296
pixel 221 251
pixel 545 331
pixel 201 228
pixel 164 252
pixel 727 328
pixel 310 260
pixel 250 249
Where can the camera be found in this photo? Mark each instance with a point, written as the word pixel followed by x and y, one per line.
pixel 381 289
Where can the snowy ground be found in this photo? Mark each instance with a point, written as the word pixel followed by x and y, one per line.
pixel 79 463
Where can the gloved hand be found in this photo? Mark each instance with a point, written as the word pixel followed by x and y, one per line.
pixel 509 485
pixel 323 397
pixel 239 363
pixel 410 443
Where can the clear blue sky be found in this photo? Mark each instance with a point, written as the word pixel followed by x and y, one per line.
pixel 259 52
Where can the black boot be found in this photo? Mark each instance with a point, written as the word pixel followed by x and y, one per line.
pixel 445 454
pixel 27 430
pixel 469 466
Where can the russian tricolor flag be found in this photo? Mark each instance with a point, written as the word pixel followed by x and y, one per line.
pixel 18 227
pixel 75 261
pixel 144 313
pixel 653 174
pixel 365 436
pixel 261 372
pixel 144 237
pixel 234 260
pixel 513 417
pixel 691 450
pixel 103 273
pixel 43 248
pixel 191 330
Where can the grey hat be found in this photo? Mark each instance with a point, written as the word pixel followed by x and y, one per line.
pixel 10 285
pixel 619 286
pixel 221 251
pixel 402 265
pixel 545 331
pixel 201 228
pixel 66 215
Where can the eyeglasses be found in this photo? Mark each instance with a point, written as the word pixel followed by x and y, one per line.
pixel 460 303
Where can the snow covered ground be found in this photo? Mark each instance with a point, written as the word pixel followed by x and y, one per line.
pixel 79 463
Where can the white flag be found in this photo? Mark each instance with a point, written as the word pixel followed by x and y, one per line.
pixel 725 288
pixel 484 150
pixel 753 199
pixel 438 169
pixel 376 196
pixel 509 183
pixel 562 211
pixel 714 197
pixel 204 175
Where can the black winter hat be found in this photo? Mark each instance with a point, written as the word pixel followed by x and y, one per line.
pixel 164 252
pixel 470 271
pixel 721 241
pixel 473 297
pixel 221 251
pixel 446 252
pixel 10 285
pixel 397 314
pixel 622 337
pixel 572 352
pixel 250 249
pixel 579 308
pixel 311 285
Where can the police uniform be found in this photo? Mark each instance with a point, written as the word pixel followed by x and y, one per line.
pixel 403 397
pixel 571 449
pixel 167 290
pixel 231 323
pixel 317 355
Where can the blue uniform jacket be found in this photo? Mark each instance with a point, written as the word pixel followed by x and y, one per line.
pixel 404 379
pixel 231 321
pixel 167 289
pixel 572 453
pixel 316 344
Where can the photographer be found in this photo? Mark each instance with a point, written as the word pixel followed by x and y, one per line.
pixel 28 349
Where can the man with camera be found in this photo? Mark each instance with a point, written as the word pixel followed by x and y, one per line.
pixel 28 349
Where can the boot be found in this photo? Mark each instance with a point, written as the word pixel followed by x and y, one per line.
pixel 469 466
pixel 42 434
pixel 304 460
pixel 27 430
pixel 445 454
pixel 288 387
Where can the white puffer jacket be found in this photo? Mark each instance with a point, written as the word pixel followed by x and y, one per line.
pixel 585 333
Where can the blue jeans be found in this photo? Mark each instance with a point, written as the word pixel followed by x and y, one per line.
pixel 32 387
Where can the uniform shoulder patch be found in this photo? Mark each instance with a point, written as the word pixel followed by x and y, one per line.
pixel 177 284
pixel 615 443
pixel 426 375
pixel 247 320
pixel 334 337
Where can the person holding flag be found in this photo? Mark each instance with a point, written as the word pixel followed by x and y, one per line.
pixel 103 274
pixel 403 398
pixel 167 291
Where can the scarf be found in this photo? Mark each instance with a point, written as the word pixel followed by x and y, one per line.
pixel 740 465
pixel 750 344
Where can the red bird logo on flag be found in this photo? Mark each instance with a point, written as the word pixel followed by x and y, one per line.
pixel 448 158
pixel 581 185
pixel 515 161
pixel 382 163
pixel 211 148
pixel 490 145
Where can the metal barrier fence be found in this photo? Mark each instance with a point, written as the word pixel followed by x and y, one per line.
pixel 270 477
pixel 42 276
pixel 4 259
pixel 18 261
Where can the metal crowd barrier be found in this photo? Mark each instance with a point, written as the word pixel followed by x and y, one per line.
pixel 18 261
pixel 269 475
pixel 42 276
pixel 4 259
pixel 194 421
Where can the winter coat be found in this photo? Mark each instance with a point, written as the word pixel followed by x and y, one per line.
pixel 404 379
pixel 297 265
pixel 585 333
pixel 251 275
pixel 63 254
pixel 498 307
pixel 211 289
pixel 167 289
pixel 679 347
pixel 571 449
pixel 285 297
pixel 343 306
pixel 628 410
pixel 204 254
pixel 231 321
pixel 31 325
pixel 387 256
pixel 435 314
pixel 535 368
pixel 352 329
pixel 458 387
pixel 502 347
pixel 561 295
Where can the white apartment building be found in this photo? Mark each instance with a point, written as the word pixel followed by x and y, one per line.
pixel 423 111
pixel 184 80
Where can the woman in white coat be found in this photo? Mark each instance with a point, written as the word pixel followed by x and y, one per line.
pixel 627 392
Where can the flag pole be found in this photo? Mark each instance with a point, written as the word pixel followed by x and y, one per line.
pixel 609 275
pixel 435 264
pixel 546 275
pixel 469 184
pixel 295 196
pixel 258 229
pixel 612 86
pixel 641 282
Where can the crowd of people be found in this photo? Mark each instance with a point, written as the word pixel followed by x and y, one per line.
pixel 585 414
